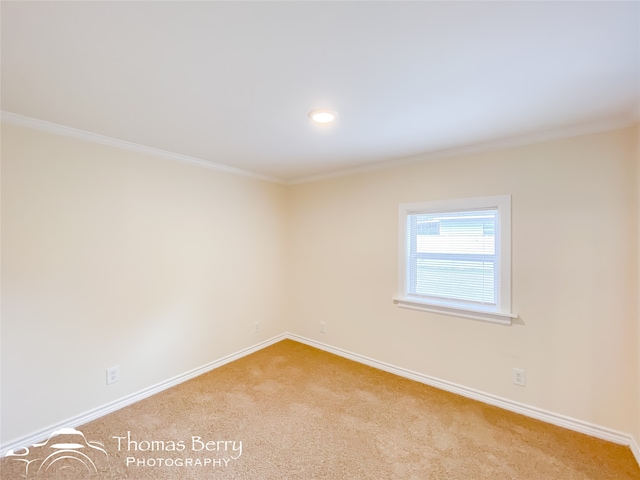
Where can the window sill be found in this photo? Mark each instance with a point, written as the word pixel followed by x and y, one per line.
pixel 483 315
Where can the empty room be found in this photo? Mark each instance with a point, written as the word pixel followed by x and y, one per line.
pixel 320 240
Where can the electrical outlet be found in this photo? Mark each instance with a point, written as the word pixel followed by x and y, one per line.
pixel 113 374
pixel 322 327
pixel 518 376
pixel 256 327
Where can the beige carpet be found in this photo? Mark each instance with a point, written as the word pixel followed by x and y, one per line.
pixel 301 413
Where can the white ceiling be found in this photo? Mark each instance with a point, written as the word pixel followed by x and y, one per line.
pixel 232 82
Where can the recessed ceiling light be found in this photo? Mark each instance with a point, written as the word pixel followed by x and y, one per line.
pixel 322 116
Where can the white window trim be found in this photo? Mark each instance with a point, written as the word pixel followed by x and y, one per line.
pixel 502 314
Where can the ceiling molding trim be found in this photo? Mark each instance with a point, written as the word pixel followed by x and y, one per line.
pixel 541 137
pixel 36 124
pixel 23 121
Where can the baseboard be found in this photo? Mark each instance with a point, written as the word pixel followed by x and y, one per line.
pixel 111 407
pixel 517 407
pixel 635 449
pixel 528 410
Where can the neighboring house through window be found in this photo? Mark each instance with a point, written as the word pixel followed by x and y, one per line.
pixel 455 257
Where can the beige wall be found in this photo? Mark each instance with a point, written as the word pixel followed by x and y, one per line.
pixel 111 257
pixel 574 231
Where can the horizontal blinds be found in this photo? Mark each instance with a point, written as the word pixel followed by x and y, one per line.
pixel 454 256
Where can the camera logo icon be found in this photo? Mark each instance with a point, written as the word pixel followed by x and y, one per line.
pixel 65 449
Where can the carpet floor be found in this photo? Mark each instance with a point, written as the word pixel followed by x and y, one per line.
pixel 291 412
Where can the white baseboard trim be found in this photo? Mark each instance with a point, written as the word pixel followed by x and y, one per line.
pixel 635 449
pixel 111 407
pixel 517 407
pixel 527 410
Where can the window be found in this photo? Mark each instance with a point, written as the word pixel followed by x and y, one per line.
pixel 455 258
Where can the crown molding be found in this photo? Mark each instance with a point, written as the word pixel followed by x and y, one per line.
pixel 44 126
pixel 628 120
pixel 540 137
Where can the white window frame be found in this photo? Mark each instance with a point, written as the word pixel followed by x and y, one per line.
pixel 502 312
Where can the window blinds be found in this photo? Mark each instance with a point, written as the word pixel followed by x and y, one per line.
pixel 453 257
